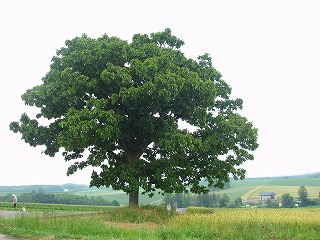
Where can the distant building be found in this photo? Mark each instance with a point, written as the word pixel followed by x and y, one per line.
pixel 267 195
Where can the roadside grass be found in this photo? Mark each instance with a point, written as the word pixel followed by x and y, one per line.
pixel 117 223
pixel 151 222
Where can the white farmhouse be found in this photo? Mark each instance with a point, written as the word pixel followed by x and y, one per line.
pixel 268 195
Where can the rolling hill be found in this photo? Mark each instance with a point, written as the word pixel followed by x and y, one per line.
pixel 248 188
pixel 251 187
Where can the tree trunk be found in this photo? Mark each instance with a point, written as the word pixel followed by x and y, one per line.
pixel 134 196
pixel 134 199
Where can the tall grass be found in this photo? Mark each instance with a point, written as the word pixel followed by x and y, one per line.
pixel 155 223
pixel 247 224
pixel 118 223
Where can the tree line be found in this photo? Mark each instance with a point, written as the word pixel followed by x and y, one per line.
pixel 211 200
pixel 60 198
pixel 303 199
pixel 46 188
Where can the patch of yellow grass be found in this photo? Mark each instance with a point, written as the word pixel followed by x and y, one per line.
pixel 245 215
pixel 133 226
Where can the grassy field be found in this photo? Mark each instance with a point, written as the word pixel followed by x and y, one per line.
pixel 285 181
pixel 247 188
pixel 250 188
pixel 280 190
pixel 120 196
pixel 156 223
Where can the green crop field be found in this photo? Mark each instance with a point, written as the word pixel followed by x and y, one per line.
pixel 120 196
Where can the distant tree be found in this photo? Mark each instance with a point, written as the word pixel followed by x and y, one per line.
pixel 224 200
pixel 204 200
pixel 287 201
pixel 316 175
pixel 121 103
pixel 115 203
pixel 215 200
pixel 226 186
pixel 303 196
pixel 63 198
pixel 6 198
pixel 187 200
pixel 271 204
pixel 238 202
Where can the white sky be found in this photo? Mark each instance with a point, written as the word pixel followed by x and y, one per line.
pixel 268 51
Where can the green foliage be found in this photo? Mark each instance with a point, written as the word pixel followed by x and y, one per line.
pixel 271 204
pixel 146 213
pixel 238 202
pixel 121 103
pixel 224 200
pixel 287 201
pixel 60 198
pixel 303 196
pixel 110 194
pixel 211 200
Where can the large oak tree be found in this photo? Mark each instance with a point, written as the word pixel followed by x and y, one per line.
pixel 118 106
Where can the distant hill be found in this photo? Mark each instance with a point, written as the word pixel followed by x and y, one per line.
pixel 247 188
pixel 45 188
pixel 251 187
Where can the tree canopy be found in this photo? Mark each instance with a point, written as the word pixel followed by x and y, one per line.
pixel 118 106
pixel 303 196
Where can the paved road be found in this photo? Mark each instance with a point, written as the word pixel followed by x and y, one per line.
pixel 3 237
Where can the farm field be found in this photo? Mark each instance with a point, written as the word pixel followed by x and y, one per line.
pixel 247 188
pixel 155 223
pixel 280 190
pixel 250 188
pixel 120 196
pixel 284 181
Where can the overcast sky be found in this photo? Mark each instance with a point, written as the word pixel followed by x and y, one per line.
pixel 268 51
